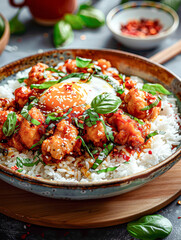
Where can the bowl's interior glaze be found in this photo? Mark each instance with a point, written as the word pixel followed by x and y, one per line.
pixel 126 63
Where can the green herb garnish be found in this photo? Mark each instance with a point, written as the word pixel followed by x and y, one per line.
pixel 150 227
pixel 62 34
pixel 155 88
pixel 82 62
pixel 154 134
pixel 109 169
pixel 85 146
pixel 106 103
pixel 10 124
pixel 152 105
pixel 51 117
pixel 21 80
pixel 102 156
pixel 75 21
pixel 44 85
pixel 16 27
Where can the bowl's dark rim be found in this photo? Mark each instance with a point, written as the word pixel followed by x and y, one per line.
pixel 112 182
pixel 161 35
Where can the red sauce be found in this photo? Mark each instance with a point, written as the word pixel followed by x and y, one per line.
pixel 141 28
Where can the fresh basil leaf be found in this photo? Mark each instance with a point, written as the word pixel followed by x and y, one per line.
pixel 16 27
pixel 175 4
pixel 21 80
pixel 53 118
pixel 4 151
pixel 53 70
pixel 35 122
pixel 152 105
pixel 71 75
pixel 106 103
pixel 2 26
pixel 136 119
pixel 102 156
pixel 82 62
pixel 44 85
pixel 75 21
pixel 62 34
pixel 10 124
pixel 85 146
pixel 148 87
pixel 92 17
pixel 109 169
pixel 108 131
pixel 154 134
pixel 85 5
pixel 150 227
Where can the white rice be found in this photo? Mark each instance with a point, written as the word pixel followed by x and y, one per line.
pixel 70 170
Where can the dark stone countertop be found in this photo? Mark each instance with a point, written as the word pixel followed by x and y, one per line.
pixel 38 39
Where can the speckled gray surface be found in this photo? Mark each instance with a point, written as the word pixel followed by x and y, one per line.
pixel 39 38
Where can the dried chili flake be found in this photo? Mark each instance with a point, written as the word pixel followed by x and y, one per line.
pixel 141 28
pixel 150 152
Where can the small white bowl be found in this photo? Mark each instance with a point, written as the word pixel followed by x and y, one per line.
pixel 137 10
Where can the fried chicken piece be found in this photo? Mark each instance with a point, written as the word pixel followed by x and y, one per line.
pixel 129 131
pixel 62 142
pixel 3 117
pixel 7 104
pixel 30 133
pixel 15 141
pixel 135 100
pixel 104 64
pixel 95 134
pixel 22 95
pixel 70 66
pixel 36 75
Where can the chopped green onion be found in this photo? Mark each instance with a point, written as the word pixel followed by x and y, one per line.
pixel 44 85
pixel 85 146
pixel 154 134
pixel 134 118
pixel 109 169
pixel 152 105
pixel 21 80
pixel 53 118
pixel 102 156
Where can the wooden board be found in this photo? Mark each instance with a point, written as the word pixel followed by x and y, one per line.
pixel 43 211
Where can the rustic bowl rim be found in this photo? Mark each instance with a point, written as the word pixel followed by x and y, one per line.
pixel 141 4
pixel 111 182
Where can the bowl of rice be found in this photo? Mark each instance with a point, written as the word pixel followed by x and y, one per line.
pixel 86 124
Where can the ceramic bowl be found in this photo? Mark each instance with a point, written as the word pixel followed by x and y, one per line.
pixel 5 37
pixel 138 10
pixel 126 63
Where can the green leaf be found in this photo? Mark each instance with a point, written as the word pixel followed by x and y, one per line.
pixel 102 156
pixel 20 162
pixel 109 169
pixel 75 21
pixel 21 80
pixel 10 124
pixel 35 122
pixel 85 146
pixel 71 75
pixel 85 5
pixel 150 227
pixel 54 118
pixel 53 70
pixel 82 62
pixel 16 27
pixel 175 4
pixel 92 17
pixel 154 134
pixel 62 34
pixel 105 103
pixel 152 105
pixel 2 26
pixel 44 85
pixel 148 87
pixel 134 118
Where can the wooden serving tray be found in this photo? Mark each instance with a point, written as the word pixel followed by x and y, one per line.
pixel 43 211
